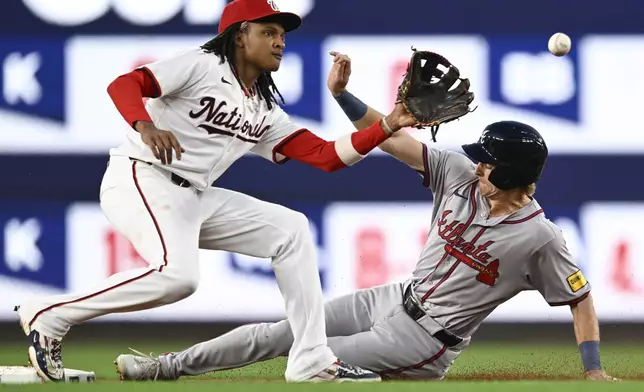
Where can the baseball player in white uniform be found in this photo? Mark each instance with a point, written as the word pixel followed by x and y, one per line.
pixel 209 107
pixel 488 241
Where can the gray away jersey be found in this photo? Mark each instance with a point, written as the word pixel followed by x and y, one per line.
pixel 471 263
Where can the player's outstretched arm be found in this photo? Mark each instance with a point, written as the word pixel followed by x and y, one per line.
pixel 587 334
pixel 304 146
pixel 400 145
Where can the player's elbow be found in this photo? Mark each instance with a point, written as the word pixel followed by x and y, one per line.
pixel 114 87
pixel 125 83
pixel 110 88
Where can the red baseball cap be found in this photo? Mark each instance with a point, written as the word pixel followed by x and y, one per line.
pixel 252 10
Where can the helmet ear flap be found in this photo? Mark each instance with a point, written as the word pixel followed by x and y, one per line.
pixel 508 177
pixel 501 177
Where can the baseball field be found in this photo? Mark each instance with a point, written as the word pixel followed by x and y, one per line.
pixel 482 367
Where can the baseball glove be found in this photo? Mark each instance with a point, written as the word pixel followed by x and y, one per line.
pixel 425 91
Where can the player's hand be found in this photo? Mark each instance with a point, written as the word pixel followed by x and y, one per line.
pixel 399 118
pixel 339 74
pixel 160 142
pixel 599 375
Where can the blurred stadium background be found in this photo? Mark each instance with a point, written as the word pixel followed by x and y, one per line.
pixel 57 125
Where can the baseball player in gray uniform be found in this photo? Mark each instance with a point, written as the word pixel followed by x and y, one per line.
pixel 489 240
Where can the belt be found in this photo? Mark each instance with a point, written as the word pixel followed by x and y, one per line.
pixel 178 180
pixel 175 178
pixel 416 312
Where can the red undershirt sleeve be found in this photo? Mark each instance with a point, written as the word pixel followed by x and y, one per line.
pixel 127 92
pixel 306 147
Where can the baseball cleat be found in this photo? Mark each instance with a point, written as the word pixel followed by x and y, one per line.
pixel 139 367
pixel 343 372
pixel 45 353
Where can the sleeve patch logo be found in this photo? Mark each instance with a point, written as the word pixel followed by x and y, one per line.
pixel 577 281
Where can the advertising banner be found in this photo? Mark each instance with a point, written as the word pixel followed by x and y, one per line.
pixel 54 248
pixel 52 101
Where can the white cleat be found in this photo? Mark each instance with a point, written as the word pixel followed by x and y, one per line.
pixel 140 367
pixel 343 372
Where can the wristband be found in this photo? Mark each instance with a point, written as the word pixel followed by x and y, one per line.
pixel 354 108
pixel 385 127
pixel 590 355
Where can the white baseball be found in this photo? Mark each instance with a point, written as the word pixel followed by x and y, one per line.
pixel 559 44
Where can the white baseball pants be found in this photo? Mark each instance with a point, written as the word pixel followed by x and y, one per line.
pixel 167 224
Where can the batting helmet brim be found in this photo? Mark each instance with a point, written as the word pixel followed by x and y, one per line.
pixel 479 153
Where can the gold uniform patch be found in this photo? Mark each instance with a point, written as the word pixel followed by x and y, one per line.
pixel 577 281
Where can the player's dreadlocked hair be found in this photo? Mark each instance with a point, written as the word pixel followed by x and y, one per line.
pixel 223 46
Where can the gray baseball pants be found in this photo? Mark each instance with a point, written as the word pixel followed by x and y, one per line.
pixel 368 328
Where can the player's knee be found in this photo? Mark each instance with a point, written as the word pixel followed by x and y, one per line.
pixel 181 284
pixel 187 286
pixel 296 224
pixel 294 233
pixel 182 288
pixel 271 339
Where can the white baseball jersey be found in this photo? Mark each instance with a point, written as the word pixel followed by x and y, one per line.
pixel 205 107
